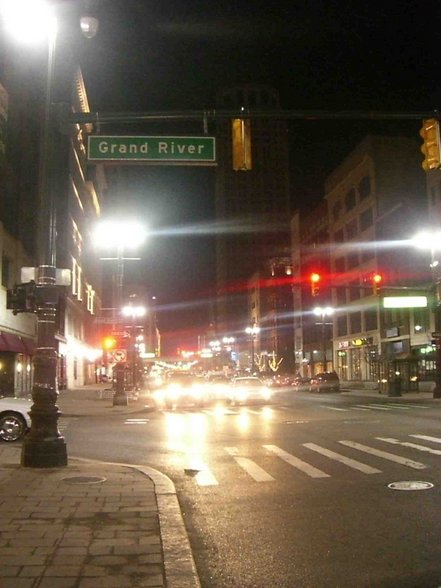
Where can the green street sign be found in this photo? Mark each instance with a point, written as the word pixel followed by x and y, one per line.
pixel 157 150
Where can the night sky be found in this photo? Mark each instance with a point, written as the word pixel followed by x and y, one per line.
pixel 156 55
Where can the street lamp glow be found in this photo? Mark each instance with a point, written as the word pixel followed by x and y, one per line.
pixel 254 330
pixel 323 311
pixel 124 234
pixel 429 240
pixel 133 311
pixel 28 21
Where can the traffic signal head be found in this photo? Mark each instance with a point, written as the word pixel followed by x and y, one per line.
pixel 109 343
pixel 376 282
pixel 315 283
pixel 431 148
pixel 241 135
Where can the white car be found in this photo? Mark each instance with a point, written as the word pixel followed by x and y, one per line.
pixel 14 418
pixel 249 389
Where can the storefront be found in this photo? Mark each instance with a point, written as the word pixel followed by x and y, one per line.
pixel 15 365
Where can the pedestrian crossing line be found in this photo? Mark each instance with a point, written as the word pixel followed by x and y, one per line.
pixel 255 471
pixel 419 406
pixel 359 408
pixel 372 407
pixel 352 463
pixel 427 438
pixel 411 445
pixel 334 408
pixel 304 467
pixel 416 465
pixel 390 405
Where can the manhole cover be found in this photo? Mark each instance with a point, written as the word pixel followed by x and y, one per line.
pixel 84 480
pixel 410 485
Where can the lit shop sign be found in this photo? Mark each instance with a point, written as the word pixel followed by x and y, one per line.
pixel 405 302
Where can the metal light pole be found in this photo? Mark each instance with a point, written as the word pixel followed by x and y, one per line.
pixel 323 312
pixel 44 447
pixel 252 332
pixel 431 240
pixel 134 312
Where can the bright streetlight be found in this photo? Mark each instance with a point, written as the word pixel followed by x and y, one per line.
pixel 323 312
pixel 32 21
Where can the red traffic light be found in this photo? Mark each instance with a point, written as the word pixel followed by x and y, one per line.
pixel 315 279
pixel 376 282
pixel 109 343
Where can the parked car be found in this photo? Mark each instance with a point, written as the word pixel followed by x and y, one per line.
pixel 14 418
pixel 325 382
pixel 249 389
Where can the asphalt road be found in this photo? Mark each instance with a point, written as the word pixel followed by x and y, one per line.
pixel 295 494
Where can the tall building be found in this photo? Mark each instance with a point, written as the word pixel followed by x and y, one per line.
pixel 252 207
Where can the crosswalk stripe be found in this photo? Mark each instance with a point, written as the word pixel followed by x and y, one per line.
pixel 359 408
pixel 390 405
pixel 411 445
pixel 385 455
pixel 352 463
pixel 255 471
pixel 304 467
pixel 419 406
pixel 372 407
pixel 427 438
pixel 334 408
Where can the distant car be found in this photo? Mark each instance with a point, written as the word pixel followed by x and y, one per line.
pixel 301 382
pixel 325 382
pixel 249 389
pixel 182 389
pixel 14 418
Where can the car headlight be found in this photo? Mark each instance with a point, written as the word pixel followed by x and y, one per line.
pixel 266 393
pixel 174 391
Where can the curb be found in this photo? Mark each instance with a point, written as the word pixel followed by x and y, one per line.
pixel 179 565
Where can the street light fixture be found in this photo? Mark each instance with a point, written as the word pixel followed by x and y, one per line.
pixel 323 312
pixel 31 20
pixel 252 331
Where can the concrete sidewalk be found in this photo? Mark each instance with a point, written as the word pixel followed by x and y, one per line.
pixel 90 524
pixel 367 393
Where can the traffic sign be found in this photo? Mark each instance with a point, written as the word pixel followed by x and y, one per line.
pixel 120 355
pixel 159 150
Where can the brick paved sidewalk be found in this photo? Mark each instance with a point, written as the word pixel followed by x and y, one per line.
pixel 90 525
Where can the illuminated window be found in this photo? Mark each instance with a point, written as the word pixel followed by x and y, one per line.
pixel 77 279
pixel 90 299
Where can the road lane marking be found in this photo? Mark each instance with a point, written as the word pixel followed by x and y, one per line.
pixel 334 408
pixel 255 471
pixel 352 463
pixel 371 407
pixel 427 438
pixel 411 445
pixel 304 467
pixel 359 408
pixel 385 455
pixel 400 406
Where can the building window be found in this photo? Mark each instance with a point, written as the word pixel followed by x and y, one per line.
pixel 354 290
pixel 370 319
pixel 366 219
pixel 342 328
pixel 339 236
pixel 341 295
pixel 336 210
pixel 364 187
pixel 76 279
pixel 6 271
pixel 351 230
pixel 350 200
pixel 340 266
pixel 355 322
pixel 352 260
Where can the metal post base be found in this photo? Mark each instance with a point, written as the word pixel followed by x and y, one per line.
pixel 437 392
pixel 44 454
pixel 120 400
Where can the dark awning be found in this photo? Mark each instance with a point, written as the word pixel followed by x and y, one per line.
pixel 16 344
